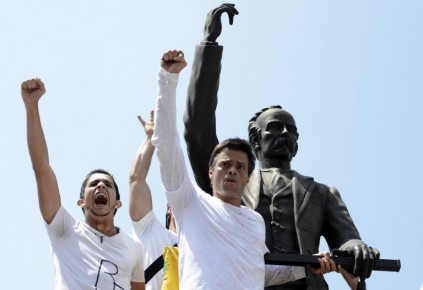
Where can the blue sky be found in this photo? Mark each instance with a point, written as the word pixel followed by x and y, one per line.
pixel 349 71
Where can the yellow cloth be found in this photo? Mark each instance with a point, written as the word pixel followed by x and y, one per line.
pixel 170 269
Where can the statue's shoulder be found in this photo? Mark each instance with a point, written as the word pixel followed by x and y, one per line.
pixel 300 176
pixel 318 185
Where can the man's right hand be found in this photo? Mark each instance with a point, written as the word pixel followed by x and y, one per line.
pixel 148 126
pixel 32 90
pixel 173 61
pixel 213 26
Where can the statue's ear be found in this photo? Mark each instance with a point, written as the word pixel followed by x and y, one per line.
pixel 254 139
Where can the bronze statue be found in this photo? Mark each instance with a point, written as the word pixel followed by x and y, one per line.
pixel 296 209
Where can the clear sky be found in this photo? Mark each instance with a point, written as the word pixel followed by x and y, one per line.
pixel 349 71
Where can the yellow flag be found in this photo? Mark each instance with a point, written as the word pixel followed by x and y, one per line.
pixel 170 269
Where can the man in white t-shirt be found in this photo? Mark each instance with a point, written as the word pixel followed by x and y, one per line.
pixel 221 243
pixel 93 254
pixel 153 235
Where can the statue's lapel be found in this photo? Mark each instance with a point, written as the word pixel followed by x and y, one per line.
pixel 301 190
pixel 251 194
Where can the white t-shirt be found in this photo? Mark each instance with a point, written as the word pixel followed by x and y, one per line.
pixel 154 236
pixel 84 258
pixel 221 246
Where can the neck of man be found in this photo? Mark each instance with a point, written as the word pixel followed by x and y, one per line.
pixel 104 226
pixel 232 201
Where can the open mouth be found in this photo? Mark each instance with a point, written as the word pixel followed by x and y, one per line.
pixel 100 199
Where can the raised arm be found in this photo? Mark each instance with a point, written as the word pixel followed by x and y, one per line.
pixel 199 118
pixel 48 190
pixel 140 202
pixel 166 140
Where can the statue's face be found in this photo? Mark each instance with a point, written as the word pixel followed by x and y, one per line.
pixel 278 134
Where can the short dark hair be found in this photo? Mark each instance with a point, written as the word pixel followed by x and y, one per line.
pixel 101 171
pixel 234 144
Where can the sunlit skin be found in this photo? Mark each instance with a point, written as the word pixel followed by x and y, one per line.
pixel 99 202
pixel 278 139
pixel 229 176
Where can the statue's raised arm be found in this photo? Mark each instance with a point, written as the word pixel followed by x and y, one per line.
pixel 199 118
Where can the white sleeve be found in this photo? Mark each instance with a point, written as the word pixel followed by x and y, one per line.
pixel 174 174
pixel 140 228
pixel 138 271
pixel 61 223
pixel 278 274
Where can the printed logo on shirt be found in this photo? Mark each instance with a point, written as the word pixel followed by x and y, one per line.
pixel 105 279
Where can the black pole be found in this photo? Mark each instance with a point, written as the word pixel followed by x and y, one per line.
pixel 346 262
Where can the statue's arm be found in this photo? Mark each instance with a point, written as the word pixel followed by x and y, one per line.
pixel 199 118
pixel 338 227
pixel 340 232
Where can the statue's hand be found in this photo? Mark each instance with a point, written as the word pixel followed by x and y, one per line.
pixel 213 26
pixel 365 258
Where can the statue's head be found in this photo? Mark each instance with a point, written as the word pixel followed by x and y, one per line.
pixel 273 134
